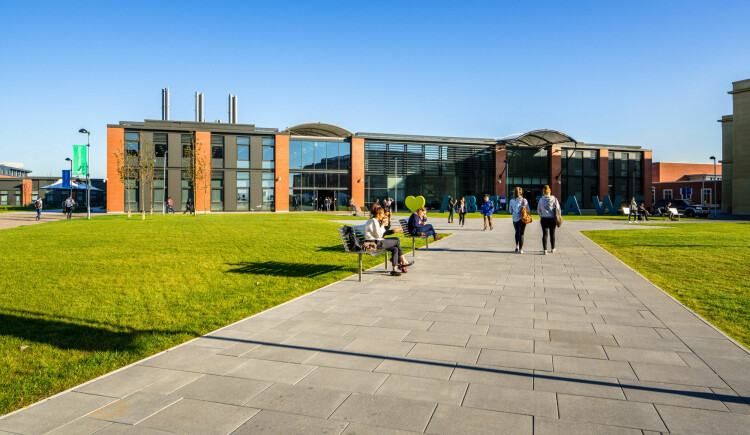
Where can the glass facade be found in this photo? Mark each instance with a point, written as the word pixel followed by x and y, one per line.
pixel 625 176
pixel 528 168
pixel 318 170
pixel 132 142
pixel 397 170
pixel 217 191
pixel 217 151
pixel 243 191
pixel 580 176
pixel 243 152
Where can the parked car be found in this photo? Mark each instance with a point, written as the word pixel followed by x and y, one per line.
pixel 684 206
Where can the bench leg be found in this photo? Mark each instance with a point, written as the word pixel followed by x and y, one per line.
pixel 413 248
pixel 386 260
pixel 427 244
pixel 360 267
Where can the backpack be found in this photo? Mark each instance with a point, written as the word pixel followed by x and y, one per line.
pixel 354 243
pixel 525 215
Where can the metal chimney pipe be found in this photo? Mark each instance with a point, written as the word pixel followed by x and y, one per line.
pixel 235 109
pixel 203 117
pixel 167 117
pixel 230 112
pixel 197 114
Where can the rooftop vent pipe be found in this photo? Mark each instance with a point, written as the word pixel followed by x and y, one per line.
pixel 199 116
pixel 232 109
pixel 165 104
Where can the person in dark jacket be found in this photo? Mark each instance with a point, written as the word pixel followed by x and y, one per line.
pixel 451 209
pixel 461 209
pixel 419 227
pixel 487 209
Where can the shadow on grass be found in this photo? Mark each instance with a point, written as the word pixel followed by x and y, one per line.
pixel 277 268
pixel 333 248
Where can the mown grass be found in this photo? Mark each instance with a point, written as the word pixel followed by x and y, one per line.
pixel 88 297
pixel 703 265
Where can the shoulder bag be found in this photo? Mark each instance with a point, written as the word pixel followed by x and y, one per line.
pixel 525 215
pixel 558 216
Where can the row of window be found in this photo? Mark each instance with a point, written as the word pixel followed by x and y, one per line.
pixel 12 172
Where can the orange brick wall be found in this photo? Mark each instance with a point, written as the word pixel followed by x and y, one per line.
pixel 281 156
pixel 358 171
pixel 25 191
pixel 115 186
pixel 555 164
pixel 647 177
pixel 661 171
pixel 203 187
pixel 603 173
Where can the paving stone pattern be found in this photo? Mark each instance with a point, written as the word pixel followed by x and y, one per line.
pixel 474 339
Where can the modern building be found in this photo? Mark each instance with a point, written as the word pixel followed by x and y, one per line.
pixel 735 132
pixel 248 168
pixel 18 189
pixel 693 181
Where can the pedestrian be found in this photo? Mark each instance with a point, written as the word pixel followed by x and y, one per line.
pixel 170 205
pixel 487 209
pixel 642 211
pixel 68 206
pixel 451 207
pixel 375 229
pixel 327 204
pixel 462 211
pixel 38 206
pixel 516 207
pixel 546 210
pixel 353 206
pixel 633 210
pixel 419 227
pixel 188 206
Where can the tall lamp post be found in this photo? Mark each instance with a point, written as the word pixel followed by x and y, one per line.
pixel 395 190
pixel 68 159
pixel 88 182
pixel 713 196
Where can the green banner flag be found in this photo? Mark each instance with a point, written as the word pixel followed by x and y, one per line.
pixel 80 162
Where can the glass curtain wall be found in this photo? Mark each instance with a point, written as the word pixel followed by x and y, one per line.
pixel 580 176
pixel 625 176
pixel 243 191
pixel 394 170
pixel 318 170
pixel 528 168
pixel 217 191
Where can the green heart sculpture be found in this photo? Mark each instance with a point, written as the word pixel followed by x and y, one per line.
pixel 413 203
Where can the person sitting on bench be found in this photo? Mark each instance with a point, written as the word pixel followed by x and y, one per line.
pixel 642 211
pixel 375 229
pixel 418 227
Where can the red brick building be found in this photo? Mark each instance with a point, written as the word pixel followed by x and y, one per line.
pixel 670 179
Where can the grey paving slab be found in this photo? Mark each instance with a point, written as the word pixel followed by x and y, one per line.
pixel 172 382
pixel 696 421
pixel 80 426
pixel 552 426
pixel 610 412
pixel 134 408
pixel 180 358
pixel 293 424
pixel 518 401
pixel 441 352
pixel 463 420
pixel 344 361
pixel 436 370
pixel 493 375
pixel 311 401
pixel 125 381
pixel 366 429
pixel 672 394
pixel 189 416
pixel 52 413
pixel 579 385
pixel 273 371
pixel 390 412
pixel 343 379
pixel 222 389
pixel 128 429
pixel 520 360
pixel 594 367
pixel 419 388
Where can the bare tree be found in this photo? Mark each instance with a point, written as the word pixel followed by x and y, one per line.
pixel 146 173
pixel 127 169
pixel 195 169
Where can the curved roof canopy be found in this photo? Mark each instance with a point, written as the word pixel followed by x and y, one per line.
pixel 318 129
pixel 536 139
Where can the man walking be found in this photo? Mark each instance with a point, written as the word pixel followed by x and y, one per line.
pixel 487 209
pixel 68 206
pixel 38 206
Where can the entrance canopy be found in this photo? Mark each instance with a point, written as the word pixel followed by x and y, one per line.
pixel 536 139
pixel 73 186
pixel 318 129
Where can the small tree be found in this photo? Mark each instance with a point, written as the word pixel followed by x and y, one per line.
pixel 146 173
pixel 195 169
pixel 127 168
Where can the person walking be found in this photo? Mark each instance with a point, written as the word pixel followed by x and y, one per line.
pixel 451 209
pixel 170 205
pixel 327 203
pixel 375 229
pixel 487 209
pixel 188 206
pixel 515 206
pixel 38 206
pixel 68 206
pixel 462 211
pixel 633 210
pixel 546 210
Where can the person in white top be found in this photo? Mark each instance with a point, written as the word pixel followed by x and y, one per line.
pixel 514 206
pixel 375 229
pixel 546 210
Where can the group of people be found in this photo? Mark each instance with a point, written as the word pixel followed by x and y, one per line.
pixel 387 205
pixel 638 211
pixel 328 204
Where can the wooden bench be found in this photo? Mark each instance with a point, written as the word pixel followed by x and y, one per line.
pixel 405 227
pixel 359 230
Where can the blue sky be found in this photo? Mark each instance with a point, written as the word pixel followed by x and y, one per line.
pixel 653 74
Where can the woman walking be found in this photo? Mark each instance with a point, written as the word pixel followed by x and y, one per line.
pixel 515 207
pixel 451 209
pixel 546 210
pixel 462 211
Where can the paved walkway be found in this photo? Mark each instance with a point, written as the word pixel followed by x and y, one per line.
pixel 474 339
pixel 22 218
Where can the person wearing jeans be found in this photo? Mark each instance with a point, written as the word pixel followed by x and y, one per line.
pixel 451 207
pixel 418 227
pixel 514 206
pixel 546 210
pixel 633 210
pixel 462 211
pixel 487 209
pixel 38 206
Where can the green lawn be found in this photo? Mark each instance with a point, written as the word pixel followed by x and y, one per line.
pixel 87 297
pixel 703 265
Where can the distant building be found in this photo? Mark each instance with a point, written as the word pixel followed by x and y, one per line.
pixel 735 132
pixel 13 170
pixel 18 189
pixel 693 181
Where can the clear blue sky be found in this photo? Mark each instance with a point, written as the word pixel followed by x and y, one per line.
pixel 653 74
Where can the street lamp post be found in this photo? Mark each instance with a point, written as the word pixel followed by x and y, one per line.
pixel 88 181
pixel 68 159
pixel 164 189
pixel 395 186
pixel 713 196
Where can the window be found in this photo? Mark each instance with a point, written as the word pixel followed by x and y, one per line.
pixel 267 183
pixel 706 196
pixel 3 197
pixel 132 143
pixel 18 197
pixel 159 191
pixel 243 152
pixel 217 151
pixel 34 195
pixel 667 194
pixel 579 176
pixel 160 149
pixel 187 143
pixel 243 191
pixel 187 191
pixel 318 170
pixel 268 152
pixel 217 191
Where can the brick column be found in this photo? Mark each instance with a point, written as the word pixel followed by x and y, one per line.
pixel 26 191
pixel 115 186
pixel 603 174
pixel 281 171
pixel 203 186
pixel 501 187
pixel 555 165
pixel 358 171
pixel 646 171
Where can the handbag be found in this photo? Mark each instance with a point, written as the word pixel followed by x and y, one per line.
pixel 525 215
pixel 558 217
pixel 370 246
